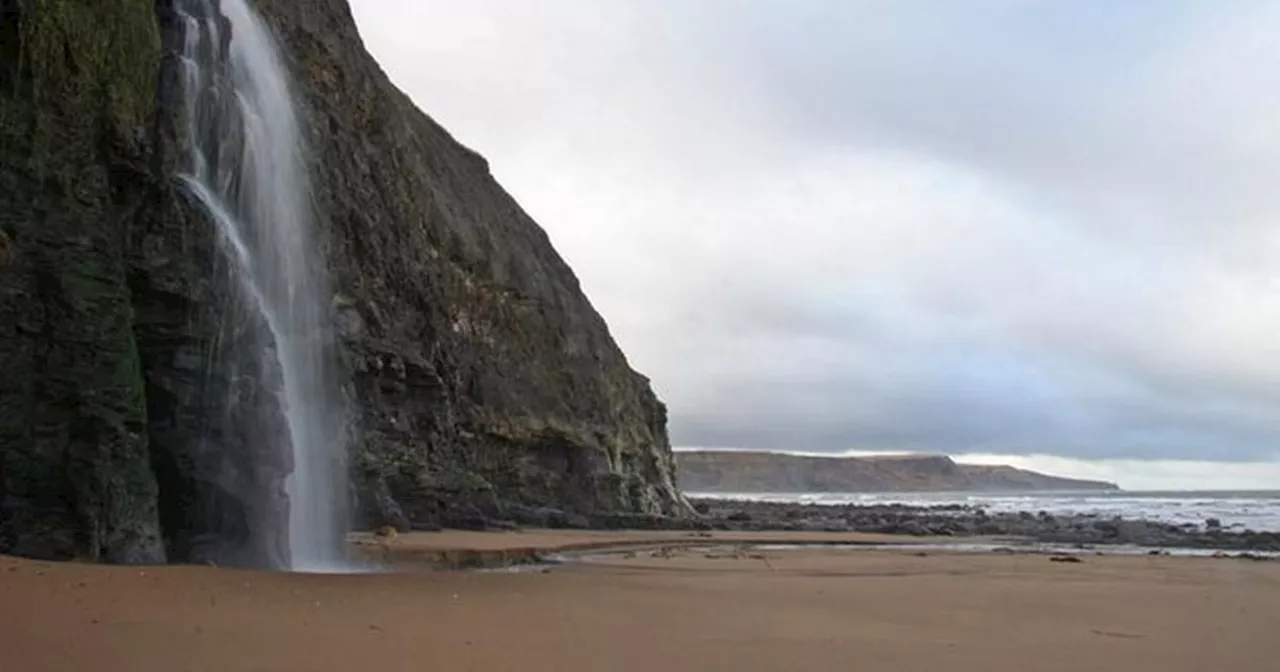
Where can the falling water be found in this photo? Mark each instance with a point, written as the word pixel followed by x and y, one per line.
pixel 246 165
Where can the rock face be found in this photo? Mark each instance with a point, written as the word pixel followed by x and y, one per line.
pixel 483 383
pixel 746 472
pixel 484 378
pixel 77 84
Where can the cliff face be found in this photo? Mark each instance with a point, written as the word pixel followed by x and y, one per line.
pixel 483 376
pixel 482 381
pixel 77 83
pixel 715 471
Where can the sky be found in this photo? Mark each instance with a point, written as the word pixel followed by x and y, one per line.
pixel 1026 230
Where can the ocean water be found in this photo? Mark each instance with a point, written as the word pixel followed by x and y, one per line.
pixel 1238 510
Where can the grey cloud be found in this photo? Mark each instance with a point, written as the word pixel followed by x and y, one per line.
pixel 995 226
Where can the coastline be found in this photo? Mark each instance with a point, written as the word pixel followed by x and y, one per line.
pixel 721 514
pixel 960 521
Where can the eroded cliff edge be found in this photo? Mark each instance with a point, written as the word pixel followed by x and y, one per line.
pixel 483 384
pixel 748 472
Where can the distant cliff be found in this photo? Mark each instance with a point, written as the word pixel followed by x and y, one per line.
pixel 724 471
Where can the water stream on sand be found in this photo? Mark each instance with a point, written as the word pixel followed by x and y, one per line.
pixel 246 165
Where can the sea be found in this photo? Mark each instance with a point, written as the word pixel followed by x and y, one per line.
pixel 1237 510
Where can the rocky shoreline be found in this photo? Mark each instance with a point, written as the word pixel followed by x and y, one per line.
pixel 971 521
pixel 958 521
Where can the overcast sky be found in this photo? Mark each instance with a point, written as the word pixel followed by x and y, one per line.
pixel 998 227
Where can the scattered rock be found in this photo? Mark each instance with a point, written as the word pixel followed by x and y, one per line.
pixel 1083 531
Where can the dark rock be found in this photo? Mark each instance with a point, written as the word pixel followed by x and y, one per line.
pixel 631 521
pixel 988 529
pixel 914 528
pixel 465 522
pixel 538 517
pixel 1084 530
pixel 1110 529
pixel 75 478
pixel 480 373
pixel 383 510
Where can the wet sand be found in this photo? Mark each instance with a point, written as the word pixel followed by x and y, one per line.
pixel 551 540
pixel 460 549
pixel 813 609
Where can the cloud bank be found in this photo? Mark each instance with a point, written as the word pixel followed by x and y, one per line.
pixel 1015 227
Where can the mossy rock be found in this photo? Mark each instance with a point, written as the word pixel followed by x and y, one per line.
pixel 79 85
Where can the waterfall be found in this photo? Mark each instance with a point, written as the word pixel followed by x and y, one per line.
pixel 246 164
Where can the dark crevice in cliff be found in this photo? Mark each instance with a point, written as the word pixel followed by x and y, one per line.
pixel 10 44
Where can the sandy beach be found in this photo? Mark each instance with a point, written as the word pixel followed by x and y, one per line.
pixel 812 609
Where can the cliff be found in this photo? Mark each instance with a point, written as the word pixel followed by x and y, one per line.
pixel 77 85
pixel 484 376
pixel 746 472
pixel 1003 477
pixel 482 382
